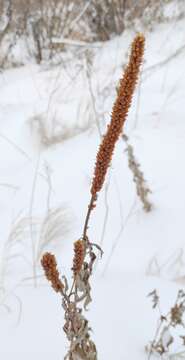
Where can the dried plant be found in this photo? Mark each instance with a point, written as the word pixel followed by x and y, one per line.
pixel 141 186
pixel 12 248
pixel 79 252
pixel 76 325
pixel 47 28
pixel 171 267
pixel 50 266
pixel 11 252
pixel 174 319
pixel 106 18
pixel 119 114
pixel 54 227
pixel 48 230
pixel 51 130
pixel 77 297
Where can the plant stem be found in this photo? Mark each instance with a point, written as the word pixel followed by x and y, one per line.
pixel 90 207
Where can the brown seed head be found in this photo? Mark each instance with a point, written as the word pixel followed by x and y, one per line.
pixel 79 253
pixel 49 265
pixel 119 114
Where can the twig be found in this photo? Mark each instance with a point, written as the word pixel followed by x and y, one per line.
pixel 90 208
pixel 113 248
pixel 164 62
pixel 31 226
pixel 75 43
pixel 106 213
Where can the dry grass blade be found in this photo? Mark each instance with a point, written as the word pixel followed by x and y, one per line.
pixel 13 246
pixel 54 228
pixel 51 130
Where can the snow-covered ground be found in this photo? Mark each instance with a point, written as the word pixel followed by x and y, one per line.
pixel 46 168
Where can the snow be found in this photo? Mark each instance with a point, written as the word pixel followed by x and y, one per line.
pixel 142 251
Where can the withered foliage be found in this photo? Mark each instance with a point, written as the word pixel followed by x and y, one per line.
pixel 78 297
pixel 163 339
pixel 141 186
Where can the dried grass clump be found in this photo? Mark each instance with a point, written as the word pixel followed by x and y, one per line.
pixel 141 186
pixel 165 336
pixel 106 18
pixel 51 131
pixel 78 296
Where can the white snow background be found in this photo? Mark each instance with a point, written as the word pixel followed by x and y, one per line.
pixel 48 145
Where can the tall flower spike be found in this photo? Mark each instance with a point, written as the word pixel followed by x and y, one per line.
pixel 49 265
pixel 79 253
pixel 119 114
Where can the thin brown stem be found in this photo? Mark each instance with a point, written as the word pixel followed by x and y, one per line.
pixel 72 287
pixel 90 208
